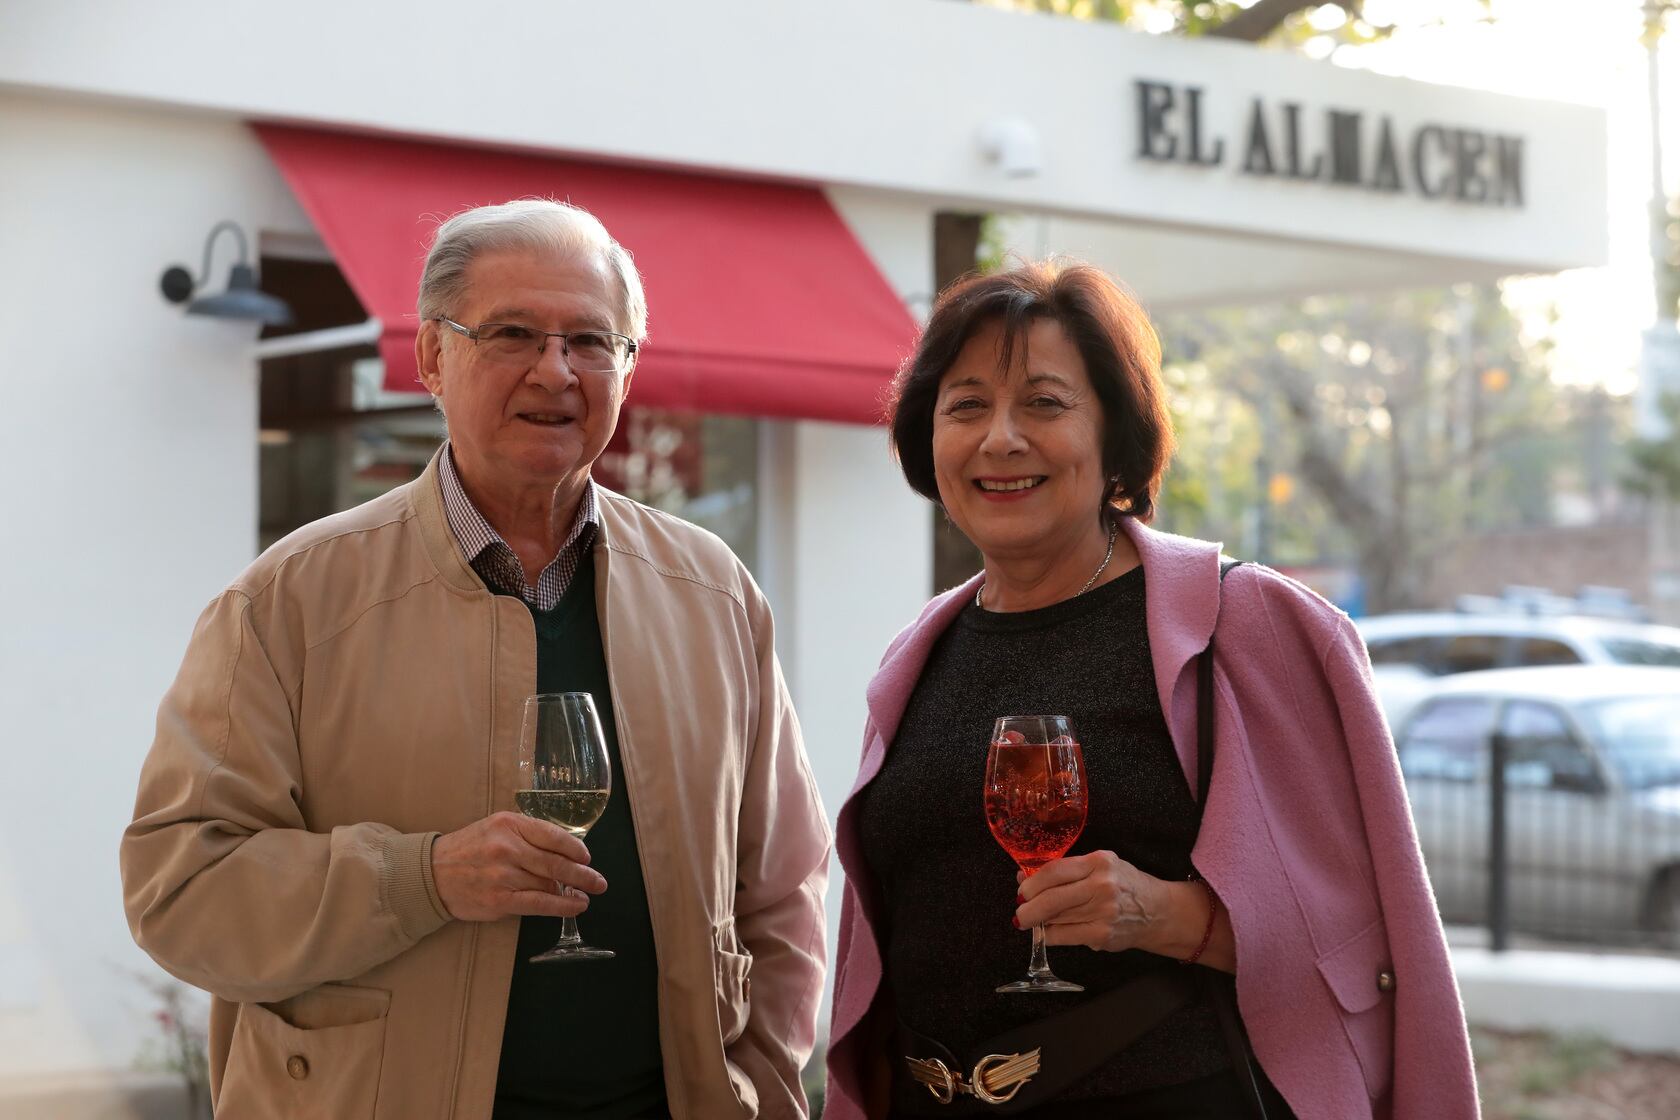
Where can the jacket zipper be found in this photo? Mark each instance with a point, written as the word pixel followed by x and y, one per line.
pixel 473 930
pixel 679 1103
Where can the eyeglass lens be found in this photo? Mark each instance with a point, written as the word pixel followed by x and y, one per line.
pixel 594 351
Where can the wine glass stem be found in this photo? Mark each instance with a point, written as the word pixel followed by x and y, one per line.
pixel 1039 969
pixel 569 932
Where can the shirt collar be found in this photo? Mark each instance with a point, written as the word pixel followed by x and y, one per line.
pixel 473 530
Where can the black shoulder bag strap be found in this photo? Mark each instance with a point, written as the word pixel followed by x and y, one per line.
pixel 1221 994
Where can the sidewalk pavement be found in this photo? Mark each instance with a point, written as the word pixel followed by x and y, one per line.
pixel 1627 998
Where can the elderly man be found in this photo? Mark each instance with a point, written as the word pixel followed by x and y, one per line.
pixel 323 837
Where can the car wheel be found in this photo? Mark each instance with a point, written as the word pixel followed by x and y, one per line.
pixel 1663 908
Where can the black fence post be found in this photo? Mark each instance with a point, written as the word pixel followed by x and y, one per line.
pixel 1499 916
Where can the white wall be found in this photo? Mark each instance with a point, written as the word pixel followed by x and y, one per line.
pixel 862 563
pixel 847 556
pixel 1174 269
pixel 888 94
pixel 129 461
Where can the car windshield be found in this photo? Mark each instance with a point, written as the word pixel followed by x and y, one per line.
pixel 1638 651
pixel 1641 737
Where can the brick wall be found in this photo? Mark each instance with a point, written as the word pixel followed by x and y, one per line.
pixel 1616 554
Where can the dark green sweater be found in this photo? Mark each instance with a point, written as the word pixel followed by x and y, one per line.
pixel 582 1037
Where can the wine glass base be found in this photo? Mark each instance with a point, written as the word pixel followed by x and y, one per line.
pixel 573 953
pixel 1043 984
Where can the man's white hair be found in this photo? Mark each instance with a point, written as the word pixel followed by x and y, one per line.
pixel 539 224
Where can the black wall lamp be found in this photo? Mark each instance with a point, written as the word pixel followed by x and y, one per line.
pixel 242 299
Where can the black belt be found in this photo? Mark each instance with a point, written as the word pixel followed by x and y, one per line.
pixel 1031 1064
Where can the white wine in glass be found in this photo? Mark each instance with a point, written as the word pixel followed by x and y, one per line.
pixel 575 810
pixel 565 778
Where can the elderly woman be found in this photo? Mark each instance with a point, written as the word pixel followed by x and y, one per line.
pixel 1034 414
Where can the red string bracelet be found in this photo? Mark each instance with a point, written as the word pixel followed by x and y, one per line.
pixel 1207 934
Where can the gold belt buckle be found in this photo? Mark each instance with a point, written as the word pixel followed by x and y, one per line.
pixel 937 1076
pixel 996 1078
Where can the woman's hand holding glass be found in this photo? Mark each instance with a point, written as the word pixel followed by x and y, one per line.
pixel 1097 900
pixel 1100 901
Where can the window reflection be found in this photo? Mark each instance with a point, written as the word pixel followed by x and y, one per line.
pixel 331 437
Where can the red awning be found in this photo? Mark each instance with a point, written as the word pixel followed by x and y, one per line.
pixel 760 300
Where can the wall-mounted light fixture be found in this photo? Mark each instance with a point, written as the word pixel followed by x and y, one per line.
pixel 1012 144
pixel 241 300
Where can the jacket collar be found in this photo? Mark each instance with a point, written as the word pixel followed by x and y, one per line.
pixel 1182 578
pixel 426 493
pixel 445 547
pixel 889 690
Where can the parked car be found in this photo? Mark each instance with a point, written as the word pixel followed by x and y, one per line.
pixel 1441 643
pixel 1409 650
pixel 1593 795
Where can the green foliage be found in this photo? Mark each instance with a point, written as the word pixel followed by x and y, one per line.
pixel 1292 26
pixel 1114 11
pixel 992 253
pixel 1366 430
pixel 1552 1064
pixel 182 1047
pixel 1654 464
pixel 1484 1047
pixel 1581 1054
pixel 1202 16
pixel 1211 479
pixel 1667 220
pixel 813 1079
pixel 1572 1057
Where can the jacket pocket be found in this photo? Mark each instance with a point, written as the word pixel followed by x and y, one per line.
pixel 317 1054
pixel 732 966
pixel 1352 970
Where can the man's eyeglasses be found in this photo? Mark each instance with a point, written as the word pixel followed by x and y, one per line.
pixel 511 344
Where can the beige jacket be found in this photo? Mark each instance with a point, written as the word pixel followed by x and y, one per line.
pixel 358 691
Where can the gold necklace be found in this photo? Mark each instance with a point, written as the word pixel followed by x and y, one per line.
pixel 1113 531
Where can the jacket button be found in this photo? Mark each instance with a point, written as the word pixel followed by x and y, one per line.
pixel 298 1067
pixel 1385 981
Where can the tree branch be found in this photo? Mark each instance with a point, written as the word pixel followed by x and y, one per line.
pixel 1259 20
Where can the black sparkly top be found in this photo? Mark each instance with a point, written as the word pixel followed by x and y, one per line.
pixel 947 891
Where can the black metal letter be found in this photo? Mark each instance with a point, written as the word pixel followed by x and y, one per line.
pixel 1508 162
pixel 1386 175
pixel 1193 95
pixel 1345 155
pixel 1292 144
pixel 1258 158
pixel 1155 100
pixel 1425 187
pixel 1468 149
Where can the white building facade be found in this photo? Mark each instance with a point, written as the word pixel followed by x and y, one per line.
pixel 1198 172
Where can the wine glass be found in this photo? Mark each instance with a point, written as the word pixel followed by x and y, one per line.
pixel 1035 807
pixel 566 778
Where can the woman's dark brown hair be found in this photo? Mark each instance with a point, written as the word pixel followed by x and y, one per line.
pixel 1121 352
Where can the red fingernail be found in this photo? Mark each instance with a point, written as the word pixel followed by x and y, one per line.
pixel 1020 900
pixel 1014 921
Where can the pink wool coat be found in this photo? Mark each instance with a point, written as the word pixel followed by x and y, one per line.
pixel 1307 839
